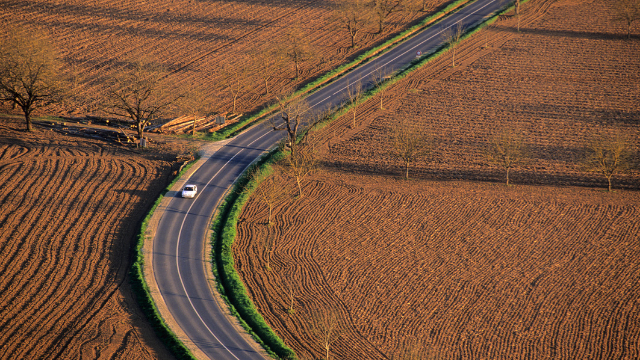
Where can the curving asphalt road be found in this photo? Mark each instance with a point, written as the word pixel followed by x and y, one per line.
pixel 179 258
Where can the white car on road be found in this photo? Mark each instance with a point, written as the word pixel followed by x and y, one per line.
pixel 189 191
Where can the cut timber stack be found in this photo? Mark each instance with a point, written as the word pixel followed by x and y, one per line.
pixel 186 124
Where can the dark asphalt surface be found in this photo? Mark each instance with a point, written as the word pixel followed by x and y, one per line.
pixel 179 256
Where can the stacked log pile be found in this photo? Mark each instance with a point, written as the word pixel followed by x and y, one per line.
pixel 189 123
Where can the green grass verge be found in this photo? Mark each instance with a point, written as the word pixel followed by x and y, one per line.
pixel 224 224
pixel 249 119
pixel 229 282
pixel 141 289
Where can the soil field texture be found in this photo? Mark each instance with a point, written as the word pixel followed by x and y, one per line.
pixel 453 264
pixel 71 207
pixel 198 41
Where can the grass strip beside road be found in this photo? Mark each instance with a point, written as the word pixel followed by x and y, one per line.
pixel 229 282
pixel 142 291
pixel 250 119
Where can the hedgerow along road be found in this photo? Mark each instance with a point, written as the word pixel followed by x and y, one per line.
pixel 178 246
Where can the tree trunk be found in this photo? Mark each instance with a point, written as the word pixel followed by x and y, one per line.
pixel 406 170
pixel 299 187
pixel 27 117
pixel 609 180
pixel 508 175
pixel 140 129
pixel 354 117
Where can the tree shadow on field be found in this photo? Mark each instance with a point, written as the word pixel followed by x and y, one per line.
pixel 591 115
pixel 566 33
pixel 518 176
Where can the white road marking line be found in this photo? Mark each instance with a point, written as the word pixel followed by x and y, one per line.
pixel 178 244
pixel 419 44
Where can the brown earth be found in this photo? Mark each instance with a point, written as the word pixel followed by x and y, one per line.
pixel 195 40
pixel 71 207
pixel 450 268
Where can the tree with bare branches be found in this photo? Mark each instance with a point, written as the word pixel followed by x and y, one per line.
pixel 290 289
pixel 269 243
pixel 506 150
pixel 383 8
pixel 267 62
pixel 272 191
pixel 453 36
pixel 31 73
pixel 296 47
pixel 379 76
pixel 196 103
pixel 293 112
pixel 409 144
pixel 354 94
pixel 609 154
pixel 352 16
pixel 301 163
pixel 140 92
pixel 233 78
pixel 326 326
pixel 627 11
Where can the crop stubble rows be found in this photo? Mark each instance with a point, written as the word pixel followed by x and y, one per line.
pixel 69 211
pixel 566 77
pixel 465 268
pixel 195 40
pixel 459 269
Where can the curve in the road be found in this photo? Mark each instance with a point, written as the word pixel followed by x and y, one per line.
pixel 179 258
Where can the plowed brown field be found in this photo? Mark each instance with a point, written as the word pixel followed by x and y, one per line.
pixel 196 40
pixel 454 269
pixel 70 210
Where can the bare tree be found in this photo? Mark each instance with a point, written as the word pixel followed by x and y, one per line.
pixel 271 191
pixel 354 94
pixel 383 8
pixel 234 77
pixel 196 103
pixel 301 163
pixel 296 47
pixel 293 112
pixel 267 62
pixel 506 150
pixel 627 11
pixel 291 291
pixel 353 16
pixel 140 92
pixel 269 243
pixel 409 144
pixel 30 72
pixel 326 326
pixel 453 36
pixel 379 76
pixel 609 155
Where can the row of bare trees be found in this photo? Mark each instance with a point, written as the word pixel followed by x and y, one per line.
pixel 356 16
pixel 607 154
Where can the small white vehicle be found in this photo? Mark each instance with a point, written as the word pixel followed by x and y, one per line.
pixel 189 191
